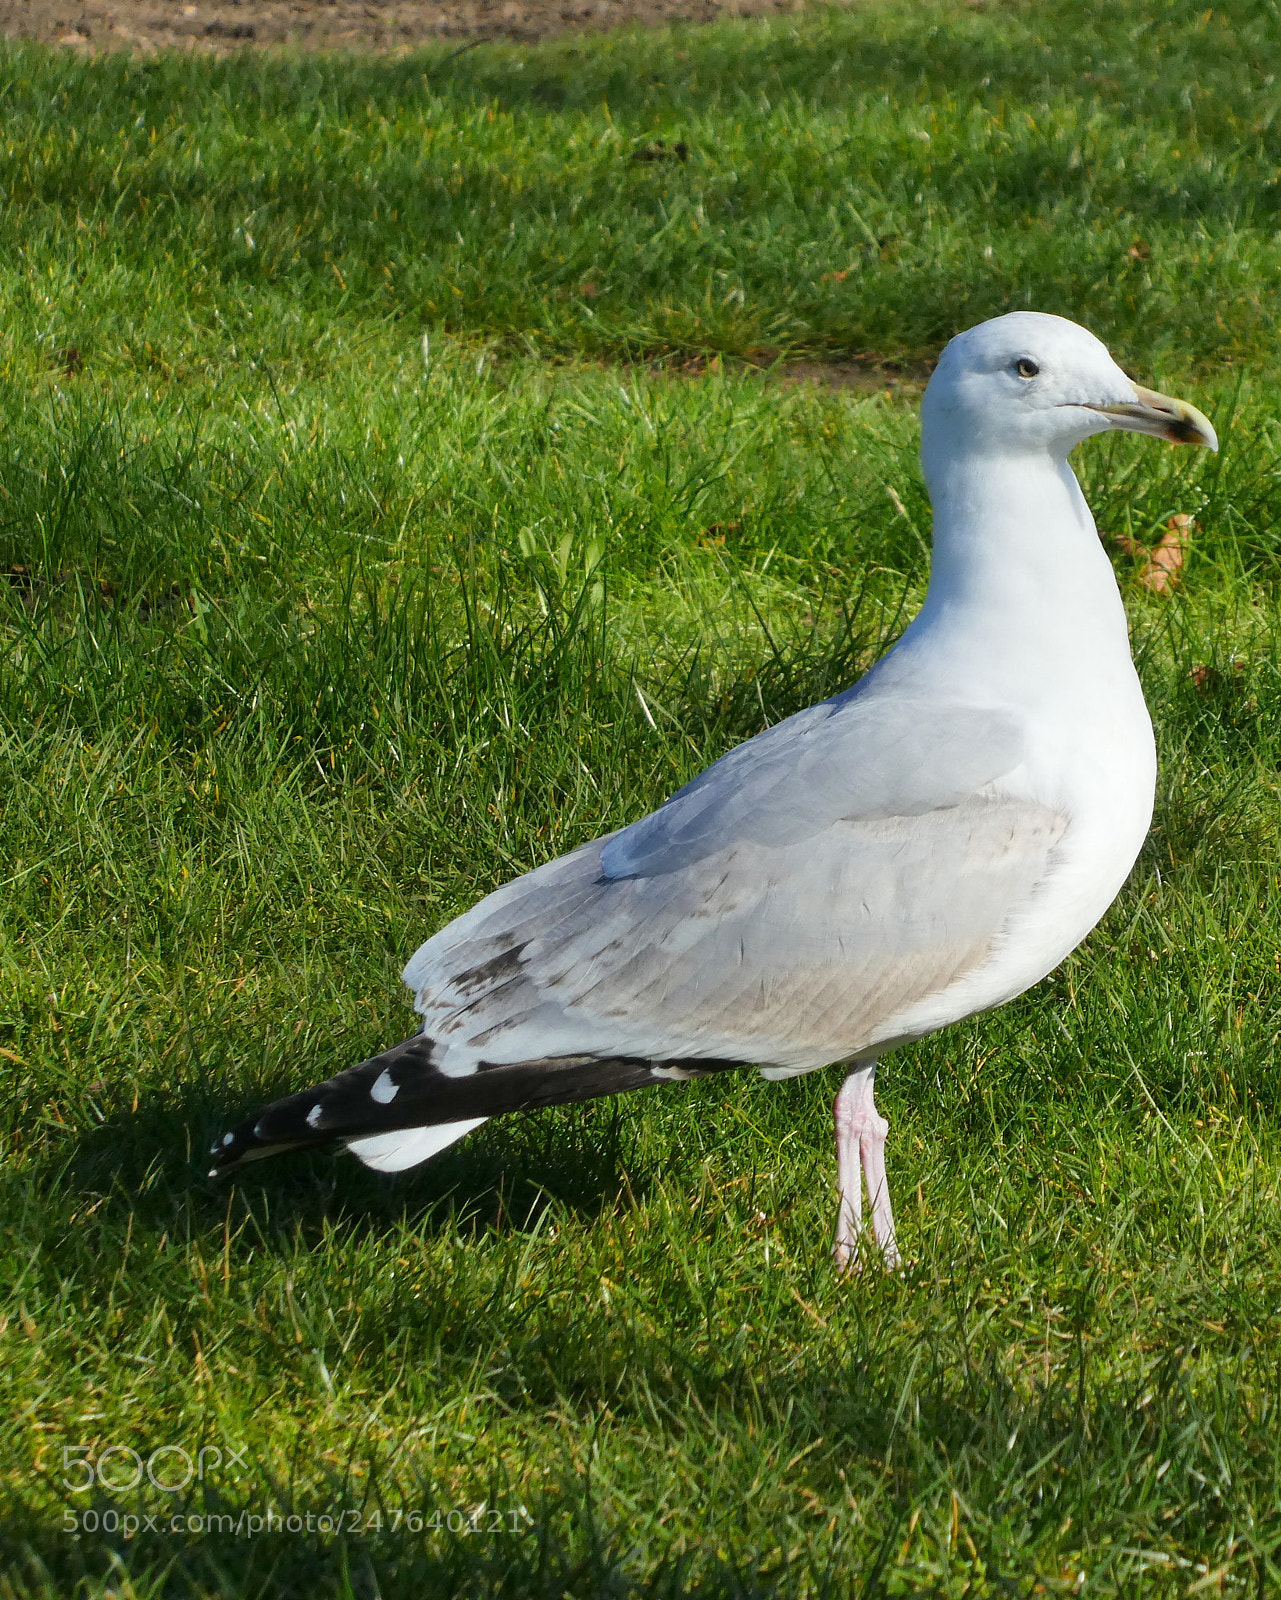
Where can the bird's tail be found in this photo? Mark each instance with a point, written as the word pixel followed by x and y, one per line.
pixel 398 1108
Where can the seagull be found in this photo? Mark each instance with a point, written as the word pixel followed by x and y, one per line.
pixel 923 846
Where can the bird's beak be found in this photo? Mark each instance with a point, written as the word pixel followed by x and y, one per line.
pixel 1166 418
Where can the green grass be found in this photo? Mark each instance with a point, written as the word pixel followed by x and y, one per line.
pixel 869 179
pixel 312 646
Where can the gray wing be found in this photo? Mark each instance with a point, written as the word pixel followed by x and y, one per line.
pixel 857 757
pixel 783 909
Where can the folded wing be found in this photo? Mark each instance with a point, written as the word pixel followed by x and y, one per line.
pixel 782 909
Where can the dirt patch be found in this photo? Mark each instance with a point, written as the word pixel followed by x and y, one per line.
pixel 220 26
pixel 863 375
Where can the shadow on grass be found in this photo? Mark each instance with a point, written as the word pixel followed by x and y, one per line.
pixel 147 1168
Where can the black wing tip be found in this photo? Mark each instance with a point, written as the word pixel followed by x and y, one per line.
pixel 231 1150
pixel 243 1145
pixel 302 1121
pixel 403 1088
pixel 342 1107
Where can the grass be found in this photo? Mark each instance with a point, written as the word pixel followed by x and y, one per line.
pixel 304 646
pixel 867 179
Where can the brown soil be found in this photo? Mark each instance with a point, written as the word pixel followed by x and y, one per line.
pixel 897 380
pixel 903 380
pixel 144 26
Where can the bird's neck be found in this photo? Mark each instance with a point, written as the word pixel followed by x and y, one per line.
pixel 1015 528
pixel 1020 586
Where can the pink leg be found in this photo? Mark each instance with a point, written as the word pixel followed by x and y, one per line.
pixel 860 1144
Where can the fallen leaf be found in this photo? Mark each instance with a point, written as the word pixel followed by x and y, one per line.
pixel 836 277
pixel 1210 680
pixel 1160 564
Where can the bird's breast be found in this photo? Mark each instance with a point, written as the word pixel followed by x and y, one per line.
pixel 1097 769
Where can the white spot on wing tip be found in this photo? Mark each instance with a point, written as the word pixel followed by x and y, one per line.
pixel 384 1091
pixel 228 1138
pixel 313 1116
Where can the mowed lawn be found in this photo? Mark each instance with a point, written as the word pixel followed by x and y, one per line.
pixel 307 642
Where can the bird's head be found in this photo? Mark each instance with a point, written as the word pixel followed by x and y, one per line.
pixel 1028 382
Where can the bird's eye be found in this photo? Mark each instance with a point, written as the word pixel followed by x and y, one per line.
pixel 1026 368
